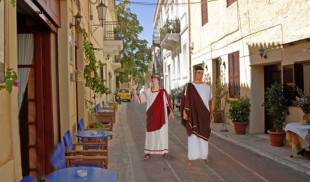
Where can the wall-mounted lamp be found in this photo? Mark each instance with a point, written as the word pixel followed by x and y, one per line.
pixel 262 52
pixel 108 57
pixel 192 46
pixel 78 19
pixel 102 12
pixel 219 59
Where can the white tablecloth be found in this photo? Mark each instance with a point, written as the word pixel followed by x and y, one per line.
pixel 299 129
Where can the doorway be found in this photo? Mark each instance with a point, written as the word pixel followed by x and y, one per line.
pixel 35 100
pixel 272 74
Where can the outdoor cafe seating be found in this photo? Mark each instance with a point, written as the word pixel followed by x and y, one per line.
pixel 85 172
pixel 298 136
pixel 72 150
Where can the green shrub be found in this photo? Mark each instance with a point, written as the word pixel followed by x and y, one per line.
pixel 239 110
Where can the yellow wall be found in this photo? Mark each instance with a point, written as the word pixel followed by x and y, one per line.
pixel 10 160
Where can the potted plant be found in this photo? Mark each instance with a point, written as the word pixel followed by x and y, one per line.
pixel 10 80
pixel 239 112
pixel 303 101
pixel 217 108
pixel 276 106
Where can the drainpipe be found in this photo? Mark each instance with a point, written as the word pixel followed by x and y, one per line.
pixel 189 41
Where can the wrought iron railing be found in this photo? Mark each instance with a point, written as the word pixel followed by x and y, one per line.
pixel 112 29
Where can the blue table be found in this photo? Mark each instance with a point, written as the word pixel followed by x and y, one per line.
pixel 94 174
pixel 88 134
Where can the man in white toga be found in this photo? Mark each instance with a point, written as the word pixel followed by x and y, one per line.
pixel 196 107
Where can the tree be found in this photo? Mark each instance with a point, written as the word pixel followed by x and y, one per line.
pixel 136 55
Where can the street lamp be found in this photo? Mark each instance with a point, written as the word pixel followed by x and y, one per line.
pixel 102 12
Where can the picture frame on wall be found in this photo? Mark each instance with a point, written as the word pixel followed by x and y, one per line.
pixel 2 42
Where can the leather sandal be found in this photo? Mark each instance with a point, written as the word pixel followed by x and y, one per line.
pixel 147 156
pixel 165 155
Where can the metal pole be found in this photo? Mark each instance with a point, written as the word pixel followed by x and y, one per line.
pixel 189 41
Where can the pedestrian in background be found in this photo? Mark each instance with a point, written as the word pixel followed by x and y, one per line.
pixel 196 106
pixel 157 108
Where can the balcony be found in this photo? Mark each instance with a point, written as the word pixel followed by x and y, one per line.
pixel 116 64
pixel 170 34
pixel 156 38
pixel 112 40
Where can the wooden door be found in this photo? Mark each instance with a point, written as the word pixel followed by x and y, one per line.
pixel 36 118
pixel 272 75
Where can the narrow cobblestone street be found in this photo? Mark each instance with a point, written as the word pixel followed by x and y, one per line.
pixel 228 161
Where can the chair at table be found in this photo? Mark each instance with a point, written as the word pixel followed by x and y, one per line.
pixel 27 179
pixel 60 161
pixel 103 104
pixel 71 150
pixel 81 127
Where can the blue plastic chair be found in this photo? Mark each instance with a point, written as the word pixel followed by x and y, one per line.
pixel 27 179
pixel 58 158
pixel 81 127
pixel 69 150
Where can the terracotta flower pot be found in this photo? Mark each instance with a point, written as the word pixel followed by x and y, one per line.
pixel 276 138
pixel 240 127
pixel 218 117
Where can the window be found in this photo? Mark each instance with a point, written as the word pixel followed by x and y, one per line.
pixel 296 75
pixel 185 60
pixel 234 76
pixel 179 71
pixel 229 2
pixel 101 72
pixel 204 12
pixel 2 37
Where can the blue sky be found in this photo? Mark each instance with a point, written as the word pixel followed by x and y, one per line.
pixel 145 14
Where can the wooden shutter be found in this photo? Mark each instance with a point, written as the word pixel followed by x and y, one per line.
pixel 236 74
pixel 289 82
pixel 204 12
pixel 229 2
pixel 52 8
pixel 231 75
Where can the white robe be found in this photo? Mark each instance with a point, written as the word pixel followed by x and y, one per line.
pixel 156 142
pixel 197 147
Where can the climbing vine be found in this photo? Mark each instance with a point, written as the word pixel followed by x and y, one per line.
pixel 13 2
pixel 91 76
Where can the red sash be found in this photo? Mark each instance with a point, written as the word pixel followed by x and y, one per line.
pixel 155 115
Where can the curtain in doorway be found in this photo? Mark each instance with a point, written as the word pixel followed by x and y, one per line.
pixel 25 43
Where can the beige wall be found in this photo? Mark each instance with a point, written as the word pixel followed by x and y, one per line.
pixel 10 160
pixel 63 66
pixel 245 26
pixel 54 87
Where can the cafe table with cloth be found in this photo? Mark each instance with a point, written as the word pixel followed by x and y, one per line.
pixel 298 136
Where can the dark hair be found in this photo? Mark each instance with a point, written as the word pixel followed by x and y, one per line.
pixel 155 75
pixel 199 68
